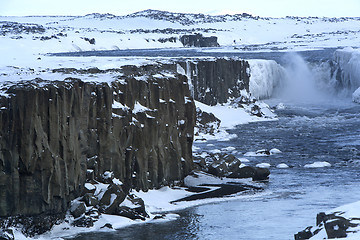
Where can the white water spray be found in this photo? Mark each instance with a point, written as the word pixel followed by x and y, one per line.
pixel 300 83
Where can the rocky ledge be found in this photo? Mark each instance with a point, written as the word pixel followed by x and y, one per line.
pixel 330 226
pixel 56 134
pixel 75 148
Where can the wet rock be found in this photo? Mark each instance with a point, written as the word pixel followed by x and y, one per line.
pixel 159 217
pixel 261 174
pixel 77 209
pixel 220 164
pixel 336 228
pixel 244 172
pixel 304 235
pixel 263 152
pixel 257 174
pixel 107 225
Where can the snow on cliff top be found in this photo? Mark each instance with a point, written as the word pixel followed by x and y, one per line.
pixel 25 41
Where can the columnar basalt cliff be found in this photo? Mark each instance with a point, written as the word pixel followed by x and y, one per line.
pixel 217 81
pixel 58 135
pixel 53 132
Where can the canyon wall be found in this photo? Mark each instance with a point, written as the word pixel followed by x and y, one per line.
pixel 52 133
pixel 55 134
pixel 217 81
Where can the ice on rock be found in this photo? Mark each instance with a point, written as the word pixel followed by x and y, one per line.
pixel 348 63
pixel 356 96
pixel 263 165
pixel 274 151
pixel 282 165
pixel 318 165
pixel 265 75
pixel 280 106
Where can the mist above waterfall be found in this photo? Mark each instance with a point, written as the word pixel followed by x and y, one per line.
pixel 299 78
pixel 304 81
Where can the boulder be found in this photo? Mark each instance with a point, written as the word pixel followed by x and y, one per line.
pixel 90 200
pixel 261 174
pixel 336 228
pixel 111 199
pixel 257 174
pixel 77 209
pixel 304 235
pixel 130 213
pixel 6 234
pixel 107 225
pixel 133 208
pixel 244 172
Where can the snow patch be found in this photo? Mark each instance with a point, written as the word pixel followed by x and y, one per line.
pixel 318 165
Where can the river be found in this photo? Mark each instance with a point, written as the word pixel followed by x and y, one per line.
pixel 327 129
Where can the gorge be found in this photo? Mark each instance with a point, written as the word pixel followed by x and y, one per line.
pixel 125 123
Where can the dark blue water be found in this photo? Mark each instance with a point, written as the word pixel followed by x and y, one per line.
pixel 313 55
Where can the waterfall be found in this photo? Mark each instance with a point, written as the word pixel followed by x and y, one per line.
pixel 265 77
pixel 296 79
pixel 300 79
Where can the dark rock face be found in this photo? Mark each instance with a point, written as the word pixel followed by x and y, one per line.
pixel 305 234
pixel 198 40
pixel 206 123
pixel 218 81
pixel 336 226
pixel 33 225
pixel 6 234
pixel 52 132
pixel 19 28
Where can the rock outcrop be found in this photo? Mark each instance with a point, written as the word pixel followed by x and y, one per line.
pixel 333 224
pixel 198 40
pixel 219 80
pixel 54 134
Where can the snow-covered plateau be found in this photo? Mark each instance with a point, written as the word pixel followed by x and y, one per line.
pixel 27 44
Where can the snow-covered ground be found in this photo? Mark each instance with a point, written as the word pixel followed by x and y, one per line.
pixel 25 40
pixel 156 202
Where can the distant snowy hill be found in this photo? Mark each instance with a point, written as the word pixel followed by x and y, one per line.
pixel 161 29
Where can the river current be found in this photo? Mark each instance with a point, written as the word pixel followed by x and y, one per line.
pixel 327 129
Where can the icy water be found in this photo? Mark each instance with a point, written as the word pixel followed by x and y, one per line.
pixel 325 129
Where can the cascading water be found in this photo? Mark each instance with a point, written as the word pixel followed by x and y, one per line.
pixel 300 83
pixel 307 80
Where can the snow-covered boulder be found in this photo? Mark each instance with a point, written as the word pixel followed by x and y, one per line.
pixel 356 96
